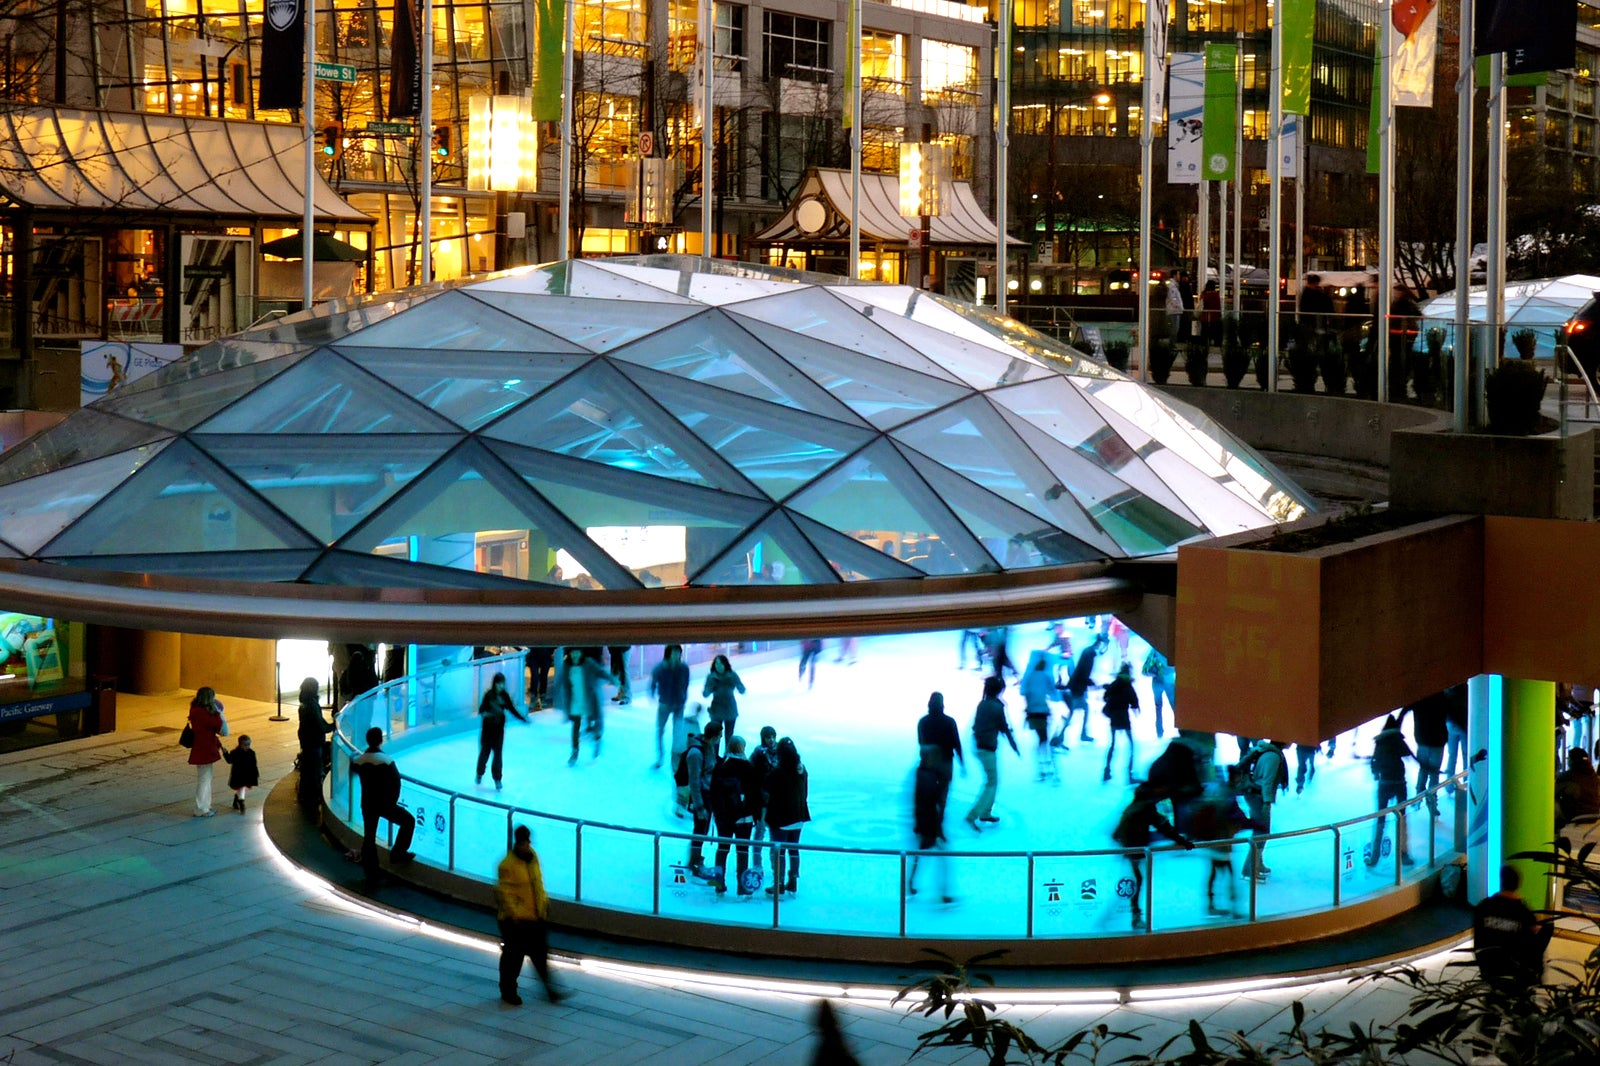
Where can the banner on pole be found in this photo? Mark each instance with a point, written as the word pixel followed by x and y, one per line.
pixel 1375 121
pixel 1289 147
pixel 549 31
pixel 1416 25
pixel 1299 27
pixel 1535 35
pixel 1221 117
pixel 405 71
pixel 1186 100
pixel 283 56
pixel 852 63
pixel 1159 13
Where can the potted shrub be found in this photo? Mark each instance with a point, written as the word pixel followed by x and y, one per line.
pixel 1235 361
pixel 1363 367
pixel 1258 360
pixel 1335 374
pixel 1196 362
pixel 1117 355
pixel 1426 365
pixel 1513 391
pixel 1162 357
pixel 1525 341
pixel 1302 356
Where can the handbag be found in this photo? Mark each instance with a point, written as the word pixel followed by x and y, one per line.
pixel 186 738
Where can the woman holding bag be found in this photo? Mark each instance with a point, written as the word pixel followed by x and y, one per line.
pixel 209 725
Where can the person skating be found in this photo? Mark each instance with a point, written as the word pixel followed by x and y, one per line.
pixel 939 744
pixel 669 684
pixel 541 659
pixel 1121 702
pixel 735 804
pixel 1079 682
pixel 380 799
pixel 1133 833
pixel 988 723
pixel 700 761
pixel 521 908
pixel 1038 689
pixel 1163 686
pixel 579 693
pixel 997 641
pixel 1263 771
pixel 810 652
pixel 492 711
pixel 619 673
pixel 1214 820
pixel 764 760
pixel 1389 752
pixel 787 812
pixel 721 685
pixel 928 791
pixel 1430 729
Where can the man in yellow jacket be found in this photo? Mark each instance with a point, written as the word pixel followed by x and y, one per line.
pixel 521 907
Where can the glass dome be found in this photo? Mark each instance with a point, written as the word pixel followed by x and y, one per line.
pixel 624 424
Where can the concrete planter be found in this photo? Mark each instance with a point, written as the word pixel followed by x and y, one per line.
pixel 1480 473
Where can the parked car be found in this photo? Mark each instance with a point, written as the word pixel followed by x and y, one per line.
pixel 1582 335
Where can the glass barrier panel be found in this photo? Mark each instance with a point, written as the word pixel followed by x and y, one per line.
pixel 1079 895
pixel 683 895
pixel 431 808
pixel 555 839
pixel 482 840
pixel 1299 876
pixel 1373 867
pixel 991 893
pixel 358 716
pixel 616 868
pixel 339 784
pixel 1194 888
pixel 843 892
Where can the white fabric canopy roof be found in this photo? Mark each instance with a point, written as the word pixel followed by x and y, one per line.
pixel 963 220
pixel 68 159
pixel 1542 305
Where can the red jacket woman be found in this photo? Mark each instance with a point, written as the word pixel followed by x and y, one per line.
pixel 209 726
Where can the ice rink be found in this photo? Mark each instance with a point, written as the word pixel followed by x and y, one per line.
pixel 855 729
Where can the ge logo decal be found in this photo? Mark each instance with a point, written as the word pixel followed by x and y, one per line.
pixel 1218 163
pixel 1126 888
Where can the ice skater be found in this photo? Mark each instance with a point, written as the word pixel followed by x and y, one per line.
pixel 492 711
pixel 764 760
pixel 669 684
pixel 810 652
pixel 1121 701
pixel 579 693
pixel 1079 682
pixel 721 685
pixel 787 812
pixel 1163 685
pixel 1133 833
pixel 987 726
pixel 1215 820
pixel 1038 689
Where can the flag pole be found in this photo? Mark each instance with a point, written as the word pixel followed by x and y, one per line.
pixel 1302 158
pixel 1466 73
pixel 1222 247
pixel 1494 304
pixel 564 209
pixel 1385 195
pixel 855 138
pixel 1146 162
pixel 1203 259
pixel 1002 150
pixel 707 139
pixel 1238 175
pixel 1274 193
pixel 308 218
pixel 425 142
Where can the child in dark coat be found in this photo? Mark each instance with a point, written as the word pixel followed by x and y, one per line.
pixel 244 773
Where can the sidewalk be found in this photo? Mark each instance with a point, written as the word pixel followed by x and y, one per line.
pixel 132 932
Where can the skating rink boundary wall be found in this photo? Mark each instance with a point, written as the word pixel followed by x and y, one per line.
pixel 659 902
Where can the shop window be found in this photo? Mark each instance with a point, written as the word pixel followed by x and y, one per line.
pixel 883 62
pixel 797 47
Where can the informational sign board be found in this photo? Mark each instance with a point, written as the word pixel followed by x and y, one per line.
pixel 108 365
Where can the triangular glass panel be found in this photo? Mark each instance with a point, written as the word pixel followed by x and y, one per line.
pixel 853 559
pixel 778 448
pixel 817 313
pixel 971 439
pixel 350 570
pixel 877 498
pixel 672 280
pixel 714 350
pixel 1017 539
pixel 1137 522
pixel 599 415
pixel 585 278
pixel 661 530
pixel 1062 412
pixel 472 512
pixel 879 393
pixel 324 393
pixel 273 566
pixel 330 321
pixel 470 389
pixel 84 435
pixel 596 325
pixel 36 509
pixel 541 279
pixel 773 553
pixel 979 365
pixel 180 501
pixel 327 484
pixel 457 320
pixel 229 353
pixel 179 403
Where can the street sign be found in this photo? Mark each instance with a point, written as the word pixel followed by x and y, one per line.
pixel 399 129
pixel 343 73
pixel 647 143
pixel 914 237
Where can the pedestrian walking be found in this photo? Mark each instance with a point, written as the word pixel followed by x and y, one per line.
pixel 243 771
pixel 380 799
pixel 492 711
pixel 787 812
pixel 312 733
pixel 1508 943
pixel 988 724
pixel 669 684
pixel 208 725
pixel 721 685
pixel 521 910
pixel 1121 702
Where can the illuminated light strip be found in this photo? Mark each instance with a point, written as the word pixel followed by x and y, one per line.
pixel 676 977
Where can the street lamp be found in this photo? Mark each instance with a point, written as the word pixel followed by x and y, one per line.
pixel 503 146
pixel 648 200
pixel 924 171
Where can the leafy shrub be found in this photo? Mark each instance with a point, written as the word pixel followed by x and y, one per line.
pixel 1162 357
pixel 1513 391
pixel 1330 357
pixel 1236 362
pixel 1117 355
pixel 1196 362
pixel 1525 341
pixel 1303 359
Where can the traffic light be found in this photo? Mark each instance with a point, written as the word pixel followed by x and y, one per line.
pixel 333 140
pixel 441 141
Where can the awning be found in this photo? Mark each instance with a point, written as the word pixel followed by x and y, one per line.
pixel 66 159
pixel 820 213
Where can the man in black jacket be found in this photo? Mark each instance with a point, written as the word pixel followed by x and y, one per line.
pixel 1389 752
pixel 736 804
pixel 380 798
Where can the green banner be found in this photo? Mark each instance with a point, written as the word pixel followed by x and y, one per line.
pixel 1221 115
pixel 1513 81
pixel 549 29
pixel 852 62
pixel 1299 27
pixel 1375 122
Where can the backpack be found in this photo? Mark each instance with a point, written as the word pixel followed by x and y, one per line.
pixel 1248 764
